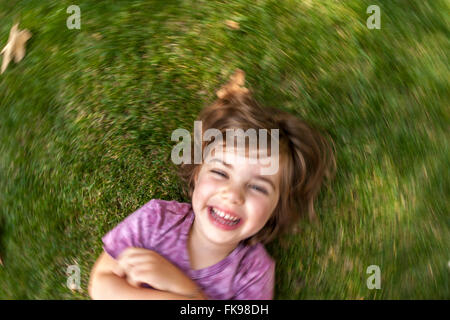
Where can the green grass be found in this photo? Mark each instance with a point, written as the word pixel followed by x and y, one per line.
pixel 85 124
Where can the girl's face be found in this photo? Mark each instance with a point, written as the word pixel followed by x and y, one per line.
pixel 232 200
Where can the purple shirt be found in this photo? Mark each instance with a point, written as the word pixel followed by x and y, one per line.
pixel 163 226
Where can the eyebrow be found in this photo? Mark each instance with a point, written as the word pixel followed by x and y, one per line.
pixel 222 162
pixel 228 165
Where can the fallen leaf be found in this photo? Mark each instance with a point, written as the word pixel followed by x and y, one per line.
pixel 97 36
pixel 1 262
pixel 232 24
pixel 235 85
pixel 15 47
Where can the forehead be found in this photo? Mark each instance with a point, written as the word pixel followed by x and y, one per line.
pixel 250 159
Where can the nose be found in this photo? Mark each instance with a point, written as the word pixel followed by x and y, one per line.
pixel 233 193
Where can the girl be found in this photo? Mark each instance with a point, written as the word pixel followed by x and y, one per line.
pixel 213 248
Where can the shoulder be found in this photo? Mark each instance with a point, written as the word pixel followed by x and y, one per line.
pixel 170 207
pixel 162 216
pixel 157 210
pixel 255 274
pixel 257 255
pixel 256 261
pixel 164 212
pixel 146 225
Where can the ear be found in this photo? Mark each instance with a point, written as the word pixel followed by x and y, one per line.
pixel 235 86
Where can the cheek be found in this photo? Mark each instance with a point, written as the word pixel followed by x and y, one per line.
pixel 206 184
pixel 203 189
pixel 261 210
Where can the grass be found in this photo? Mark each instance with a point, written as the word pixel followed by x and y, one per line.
pixel 86 117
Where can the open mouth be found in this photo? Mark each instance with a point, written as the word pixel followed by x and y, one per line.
pixel 222 219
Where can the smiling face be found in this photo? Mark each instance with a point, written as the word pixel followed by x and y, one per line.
pixel 232 200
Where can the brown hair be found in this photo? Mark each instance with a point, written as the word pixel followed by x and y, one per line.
pixel 306 156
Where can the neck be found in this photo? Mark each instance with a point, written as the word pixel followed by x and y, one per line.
pixel 204 253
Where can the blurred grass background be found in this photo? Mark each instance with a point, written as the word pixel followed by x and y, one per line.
pixel 86 118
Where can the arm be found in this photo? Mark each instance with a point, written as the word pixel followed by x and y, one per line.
pixel 105 284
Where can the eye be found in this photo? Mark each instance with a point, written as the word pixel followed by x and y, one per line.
pixel 220 173
pixel 259 189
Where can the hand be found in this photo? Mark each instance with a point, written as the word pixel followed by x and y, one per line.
pixel 141 265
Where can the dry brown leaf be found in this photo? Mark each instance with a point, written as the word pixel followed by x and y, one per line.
pixel 234 86
pixel 232 24
pixel 15 47
pixel 97 36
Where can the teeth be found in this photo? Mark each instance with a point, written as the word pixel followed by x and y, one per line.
pixel 224 215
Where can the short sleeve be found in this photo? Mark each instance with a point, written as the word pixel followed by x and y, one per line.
pixel 258 283
pixel 134 231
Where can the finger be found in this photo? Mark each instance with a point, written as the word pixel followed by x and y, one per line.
pixel 142 256
pixel 139 259
pixel 125 255
pixel 132 251
pixel 138 275
pixel 131 261
pixel 124 264
pixel 126 252
pixel 118 270
pixel 133 282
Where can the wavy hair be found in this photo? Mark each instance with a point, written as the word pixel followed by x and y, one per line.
pixel 307 159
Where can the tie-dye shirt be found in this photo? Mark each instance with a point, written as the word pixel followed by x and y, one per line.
pixel 163 226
